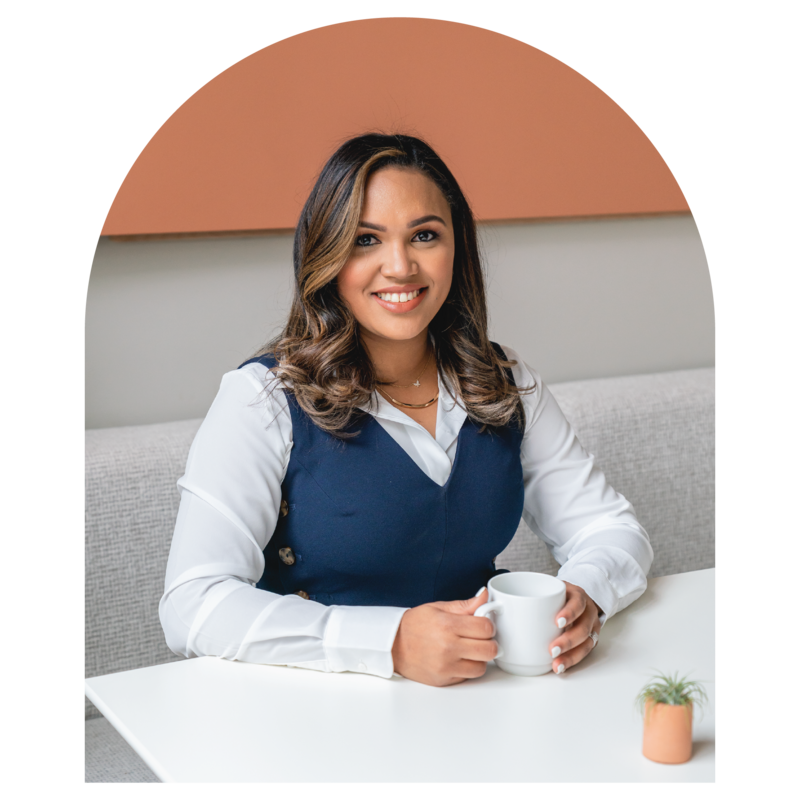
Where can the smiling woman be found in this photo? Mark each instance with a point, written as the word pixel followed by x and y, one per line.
pixel 386 218
pixel 397 279
pixel 354 482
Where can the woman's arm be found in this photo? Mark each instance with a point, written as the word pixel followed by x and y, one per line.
pixel 590 529
pixel 230 497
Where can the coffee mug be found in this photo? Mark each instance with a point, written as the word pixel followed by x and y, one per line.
pixel 524 607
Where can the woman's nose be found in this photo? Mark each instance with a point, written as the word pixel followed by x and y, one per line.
pixel 399 262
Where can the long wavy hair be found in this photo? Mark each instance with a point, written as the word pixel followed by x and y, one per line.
pixel 320 356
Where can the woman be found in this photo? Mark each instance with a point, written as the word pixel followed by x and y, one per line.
pixel 351 487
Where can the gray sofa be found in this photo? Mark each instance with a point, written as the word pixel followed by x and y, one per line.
pixel 653 435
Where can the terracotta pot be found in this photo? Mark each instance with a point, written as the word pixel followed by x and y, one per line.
pixel 667 733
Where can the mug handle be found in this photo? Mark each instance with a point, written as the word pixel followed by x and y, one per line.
pixel 487 608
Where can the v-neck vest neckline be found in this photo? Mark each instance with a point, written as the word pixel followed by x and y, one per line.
pixel 392 443
pixel 450 417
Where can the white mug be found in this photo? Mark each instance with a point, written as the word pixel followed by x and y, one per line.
pixel 524 607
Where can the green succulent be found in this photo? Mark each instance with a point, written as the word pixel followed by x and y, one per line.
pixel 672 691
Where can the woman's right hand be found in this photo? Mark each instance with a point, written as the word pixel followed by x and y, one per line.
pixel 443 643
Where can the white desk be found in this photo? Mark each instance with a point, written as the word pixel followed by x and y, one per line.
pixel 207 719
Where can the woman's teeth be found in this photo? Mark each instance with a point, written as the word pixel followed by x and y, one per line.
pixel 393 297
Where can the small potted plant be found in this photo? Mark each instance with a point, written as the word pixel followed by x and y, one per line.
pixel 667 704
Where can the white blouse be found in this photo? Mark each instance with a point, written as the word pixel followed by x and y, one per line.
pixel 230 501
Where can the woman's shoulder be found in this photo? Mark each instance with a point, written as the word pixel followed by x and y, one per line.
pixel 246 431
pixel 261 371
pixel 266 360
pixel 250 390
pixel 257 371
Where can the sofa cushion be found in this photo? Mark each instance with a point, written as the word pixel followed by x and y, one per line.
pixel 110 759
pixel 131 506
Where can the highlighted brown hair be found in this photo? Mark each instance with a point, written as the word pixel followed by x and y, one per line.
pixel 320 356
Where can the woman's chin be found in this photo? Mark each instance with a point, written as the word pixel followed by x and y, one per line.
pixel 398 332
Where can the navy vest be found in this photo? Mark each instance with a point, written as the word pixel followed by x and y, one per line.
pixel 361 524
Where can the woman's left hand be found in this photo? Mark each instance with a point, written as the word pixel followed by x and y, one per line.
pixel 581 617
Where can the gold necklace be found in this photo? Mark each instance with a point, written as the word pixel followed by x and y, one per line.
pixel 416 383
pixel 410 405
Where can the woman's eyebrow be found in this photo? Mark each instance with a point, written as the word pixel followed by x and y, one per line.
pixel 412 224
pixel 423 220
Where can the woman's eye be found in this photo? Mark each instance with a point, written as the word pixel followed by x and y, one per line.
pixel 364 240
pixel 426 236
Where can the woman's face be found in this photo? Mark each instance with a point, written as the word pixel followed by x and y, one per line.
pixel 401 266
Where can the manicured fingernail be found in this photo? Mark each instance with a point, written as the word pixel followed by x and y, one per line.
pixel 556 652
pixel 560 669
pixel 479 591
pixel 562 621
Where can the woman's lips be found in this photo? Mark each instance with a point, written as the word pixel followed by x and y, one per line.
pixel 401 308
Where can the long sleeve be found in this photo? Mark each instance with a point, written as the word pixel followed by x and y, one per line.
pixel 230 499
pixel 590 529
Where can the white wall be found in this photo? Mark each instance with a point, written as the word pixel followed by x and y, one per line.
pixel 578 299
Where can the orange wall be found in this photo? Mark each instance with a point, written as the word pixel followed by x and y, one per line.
pixel 526 136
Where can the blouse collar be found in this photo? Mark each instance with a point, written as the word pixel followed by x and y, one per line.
pixel 450 414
